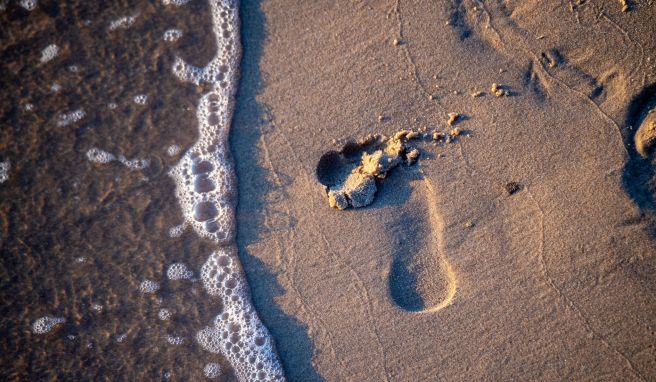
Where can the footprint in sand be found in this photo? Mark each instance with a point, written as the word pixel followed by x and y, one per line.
pixel 420 277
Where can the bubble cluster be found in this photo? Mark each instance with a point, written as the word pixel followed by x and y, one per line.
pixel 179 271
pixel 177 3
pixel 206 190
pixel 212 370
pixel 172 35
pixel 70 117
pixel 45 324
pixel 140 99
pixel 97 155
pixel 164 314
pixel 48 53
pixel 173 150
pixel 4 171
pixel 174 340
pixel 122 23
pixel 148 286
pixel 133 164
pixel 55 87
pixel 29 107
pixel 29 5
pixel 176 231
pixel 237 332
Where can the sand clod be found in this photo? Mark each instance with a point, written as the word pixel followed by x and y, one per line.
pixel 645 138
pixel 354 183
pixel 453 118
pixel 499 90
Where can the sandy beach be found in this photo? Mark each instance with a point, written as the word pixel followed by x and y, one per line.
pixel 518 242
pixel 553 282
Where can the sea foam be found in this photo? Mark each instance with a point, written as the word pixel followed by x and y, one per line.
pixel 4 171
pixel 206 189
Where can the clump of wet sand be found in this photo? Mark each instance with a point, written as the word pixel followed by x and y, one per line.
pixel 379 155
pixel 350 177
pixel 645 138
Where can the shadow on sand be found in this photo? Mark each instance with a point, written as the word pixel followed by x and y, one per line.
pixel 292 341
pixel 638 175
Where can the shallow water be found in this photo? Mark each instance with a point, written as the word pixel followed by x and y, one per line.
pixel 90 130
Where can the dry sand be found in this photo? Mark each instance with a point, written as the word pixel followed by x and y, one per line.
pixel 447 275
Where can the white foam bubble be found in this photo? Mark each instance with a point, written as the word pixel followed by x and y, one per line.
pixel 133 164
pixel 172 35
pixel 179 271
pixel 176 231
pixel 4 171
pixel 140 99
pixel 164 314
pixel 55 87
pixel 148 286
pixel 212 370
pixel 177 3
pixel 121 337
pixel 206 190
pixel 97 307
pixel 49 52
pixel 112 105
pixel 173 150
pixel 174 340
pixel 123 22
pixel 73 68
pixel 29 107
pixel 30 5
pixel 70 117
pixel 96 155
pixel 45 324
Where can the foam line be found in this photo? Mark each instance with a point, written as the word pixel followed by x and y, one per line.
pixel 206 189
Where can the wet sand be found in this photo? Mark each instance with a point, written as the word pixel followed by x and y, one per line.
pixel 554 281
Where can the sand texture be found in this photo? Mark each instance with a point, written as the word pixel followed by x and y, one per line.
pixel 517 243
pixel 524 250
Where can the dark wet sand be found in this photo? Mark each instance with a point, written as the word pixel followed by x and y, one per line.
pixel 75 233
